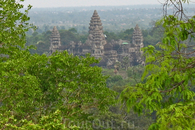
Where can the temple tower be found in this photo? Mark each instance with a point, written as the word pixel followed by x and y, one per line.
pixel 138 44
pixel 96 37
pixel 137 37
pixel 55 40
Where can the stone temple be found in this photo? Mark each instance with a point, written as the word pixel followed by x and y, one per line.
pixel 110 53
pixel 55 40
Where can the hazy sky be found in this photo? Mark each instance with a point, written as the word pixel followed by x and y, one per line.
pixel 64 3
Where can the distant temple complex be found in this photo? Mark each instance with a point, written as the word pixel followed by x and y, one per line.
pixel 110 53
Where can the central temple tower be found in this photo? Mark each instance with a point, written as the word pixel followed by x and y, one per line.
pixel 54 40
pixel 137 43
pixel 96 37
pixel 137 37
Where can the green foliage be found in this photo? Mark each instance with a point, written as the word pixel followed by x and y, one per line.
pixel 59 81
pixel 114 78
pixel 154 35
pixel 123 78
pixel 72 30
pixel 39 91
pixel 135 72
pixel 12 33
pixel 127 34
pixel 170 78
pixel 118 118
pixel 40 41
pixel 50 122
pixel 67 36
pixel 111 36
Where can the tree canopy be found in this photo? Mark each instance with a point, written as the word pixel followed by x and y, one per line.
pixel 44 92
pixel 169 74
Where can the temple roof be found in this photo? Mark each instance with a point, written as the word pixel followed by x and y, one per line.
pixel 137 29
pixel 55 32
pixel 95 21
pixel 54 29
pixel 125 43
pixel 95 12
pixel 95 30
pixel 137 32
pixel 137 35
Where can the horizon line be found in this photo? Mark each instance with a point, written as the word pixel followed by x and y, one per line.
pixel 95 6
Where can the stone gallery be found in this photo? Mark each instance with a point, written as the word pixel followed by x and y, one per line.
pixel 110 53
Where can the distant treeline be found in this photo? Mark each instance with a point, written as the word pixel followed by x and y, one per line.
pixel 114 18
pixel 42 40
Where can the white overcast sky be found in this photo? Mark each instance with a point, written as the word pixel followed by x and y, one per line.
pixel 68 3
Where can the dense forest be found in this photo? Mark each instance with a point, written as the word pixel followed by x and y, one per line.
pixel 65 92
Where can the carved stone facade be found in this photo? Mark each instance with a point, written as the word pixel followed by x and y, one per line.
pixel 96 44
pixel 55 40
pixel 96 37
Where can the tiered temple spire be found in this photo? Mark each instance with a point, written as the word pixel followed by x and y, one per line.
pixel 96 37
pixel 138 44
pixel 137 36
pixel 55 40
